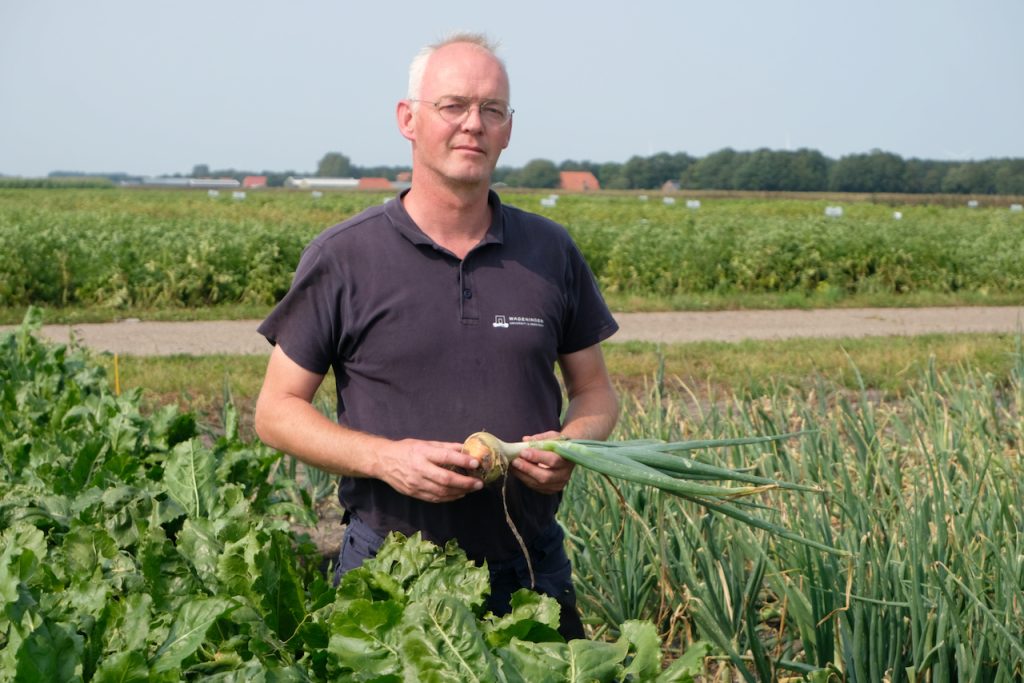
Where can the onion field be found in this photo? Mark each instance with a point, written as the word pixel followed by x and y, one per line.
pixel 925 493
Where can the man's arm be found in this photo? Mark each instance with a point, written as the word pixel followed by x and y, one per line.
pixel 591 414
pixel 286 419
pixel 593 404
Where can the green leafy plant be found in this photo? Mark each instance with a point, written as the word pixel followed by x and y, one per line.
pixel 415 612
pixel 117 249
pixel 137 548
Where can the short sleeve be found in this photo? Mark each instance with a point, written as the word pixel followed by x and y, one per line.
pixel 588 319
pixel 307 323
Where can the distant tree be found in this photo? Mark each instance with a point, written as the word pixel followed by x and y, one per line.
pixel 760 170
pixel 389 172
pixel 539 173
pixel 650 173
pixel 715 171
pixel 502 174
pixel 334 165
pixel 1009 177
pixel 572 165
pixel 925 176
pixel 971 177
pixel 875 172
pixel 637 173
pixel 809 171
pixel 277 178
pixel 665 167
pixel 767 170
pixel 229 173
pixel 611 176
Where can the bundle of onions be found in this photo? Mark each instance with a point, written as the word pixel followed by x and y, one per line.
pixel 660 464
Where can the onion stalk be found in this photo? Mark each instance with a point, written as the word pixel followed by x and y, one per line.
pixel 660 464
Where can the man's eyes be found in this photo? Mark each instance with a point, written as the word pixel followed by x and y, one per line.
pixel 453 107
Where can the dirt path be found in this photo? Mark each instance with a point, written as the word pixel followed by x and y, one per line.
pixel 135 337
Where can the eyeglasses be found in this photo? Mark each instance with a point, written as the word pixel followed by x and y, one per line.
pixel 455 109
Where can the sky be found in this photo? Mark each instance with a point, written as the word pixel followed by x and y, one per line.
pixel 151 88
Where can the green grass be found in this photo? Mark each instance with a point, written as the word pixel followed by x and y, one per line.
pixel 71 315
pixel 707 369
pixel 712 301
pixel 883 363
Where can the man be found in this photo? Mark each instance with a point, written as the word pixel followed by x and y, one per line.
pixel 443 313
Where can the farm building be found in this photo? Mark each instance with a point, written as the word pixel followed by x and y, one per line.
pixel 203 183
pixel 578 181
pixel 254 181
pixel 322 183
pixel 375 184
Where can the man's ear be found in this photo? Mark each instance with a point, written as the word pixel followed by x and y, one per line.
pixel 508 135
pixel 404 115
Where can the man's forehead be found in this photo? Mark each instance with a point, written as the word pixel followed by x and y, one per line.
pixel 459 58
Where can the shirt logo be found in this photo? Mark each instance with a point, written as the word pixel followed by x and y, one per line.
pixel 516 321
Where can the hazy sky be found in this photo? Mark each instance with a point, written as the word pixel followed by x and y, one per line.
pixel 149 87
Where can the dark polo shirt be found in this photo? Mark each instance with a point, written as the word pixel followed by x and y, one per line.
pixel 425 345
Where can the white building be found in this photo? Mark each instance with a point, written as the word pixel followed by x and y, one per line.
pixel 322 183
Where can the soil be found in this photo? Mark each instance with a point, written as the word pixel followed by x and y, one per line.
pixel 136 337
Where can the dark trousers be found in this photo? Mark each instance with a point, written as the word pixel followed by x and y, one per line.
pixel 552 572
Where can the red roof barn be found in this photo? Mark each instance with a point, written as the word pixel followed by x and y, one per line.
pixel 254 181
pixel 375 184
pixel 578 181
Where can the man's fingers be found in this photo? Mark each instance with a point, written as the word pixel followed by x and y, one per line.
pixel 542 471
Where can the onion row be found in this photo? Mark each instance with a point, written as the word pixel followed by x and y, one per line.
pixel 660 464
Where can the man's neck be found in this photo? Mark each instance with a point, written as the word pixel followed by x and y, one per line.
pixel 455 218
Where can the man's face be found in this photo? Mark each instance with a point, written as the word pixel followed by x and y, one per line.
pixel 464 152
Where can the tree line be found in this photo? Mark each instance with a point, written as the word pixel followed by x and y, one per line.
pixel 802 170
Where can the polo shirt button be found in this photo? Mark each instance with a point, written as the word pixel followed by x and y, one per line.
pixel 467 294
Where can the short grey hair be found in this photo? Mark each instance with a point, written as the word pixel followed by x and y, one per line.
pixel 419 62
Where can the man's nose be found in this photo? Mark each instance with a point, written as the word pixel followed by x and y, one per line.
pixel 473 119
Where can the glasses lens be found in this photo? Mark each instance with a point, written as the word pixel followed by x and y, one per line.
pixel 454 110
pixel 494 113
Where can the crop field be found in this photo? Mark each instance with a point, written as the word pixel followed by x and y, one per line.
pixel 139 547
pixel 118 249
pixel 141 543
pixel 924 494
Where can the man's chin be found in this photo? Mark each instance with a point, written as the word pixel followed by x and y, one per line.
pixel 472 176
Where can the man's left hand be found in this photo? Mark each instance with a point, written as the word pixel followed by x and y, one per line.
pixel 542 471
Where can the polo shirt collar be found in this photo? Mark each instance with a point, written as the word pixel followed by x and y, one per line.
pixel 403 222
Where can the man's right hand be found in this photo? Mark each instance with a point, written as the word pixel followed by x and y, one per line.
pixel 424 470
pixel 285 419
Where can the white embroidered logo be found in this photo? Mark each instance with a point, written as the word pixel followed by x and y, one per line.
pixel 517 321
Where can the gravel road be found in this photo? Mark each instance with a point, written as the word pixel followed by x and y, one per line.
pixel 134 337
